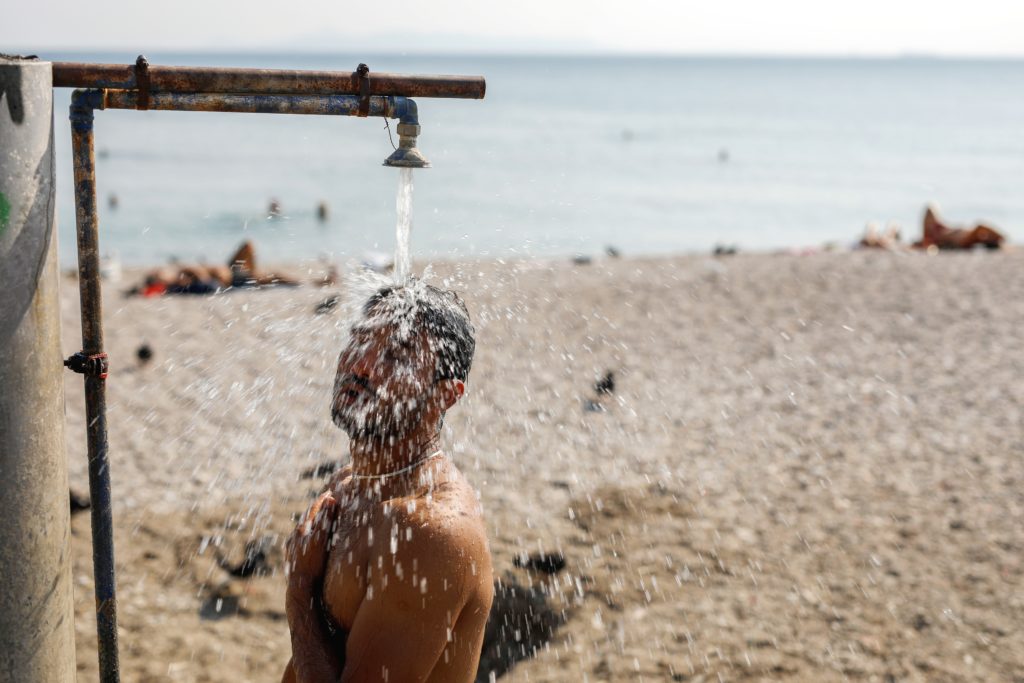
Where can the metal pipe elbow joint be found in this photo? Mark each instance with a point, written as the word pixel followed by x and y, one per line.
pixel 83 104
pixel 407 155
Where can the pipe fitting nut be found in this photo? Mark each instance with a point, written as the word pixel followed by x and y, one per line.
pixel 408 130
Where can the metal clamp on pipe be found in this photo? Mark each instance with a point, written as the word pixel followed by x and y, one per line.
pixel 95 365
pixel 142 82
pixel 363 72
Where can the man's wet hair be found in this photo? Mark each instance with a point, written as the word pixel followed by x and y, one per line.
pixel 445 318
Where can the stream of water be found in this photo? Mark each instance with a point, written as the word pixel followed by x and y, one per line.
pixel 403 228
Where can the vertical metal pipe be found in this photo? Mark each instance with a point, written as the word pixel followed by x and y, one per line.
pixel 37 635
pixel 82 105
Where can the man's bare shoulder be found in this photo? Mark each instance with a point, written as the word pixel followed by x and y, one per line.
pixel 339 478
pixel 452 503
pixel 446 533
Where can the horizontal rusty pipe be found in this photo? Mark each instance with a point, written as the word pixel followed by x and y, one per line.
pixel 327 105
pixel 401 108
pixel 195 79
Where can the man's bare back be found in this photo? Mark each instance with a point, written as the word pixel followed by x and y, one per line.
pixel 390 576
pixel 410 565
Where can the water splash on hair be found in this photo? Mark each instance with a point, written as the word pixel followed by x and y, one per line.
pixel 360 286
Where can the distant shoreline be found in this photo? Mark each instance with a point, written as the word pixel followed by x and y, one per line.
pixel 61 54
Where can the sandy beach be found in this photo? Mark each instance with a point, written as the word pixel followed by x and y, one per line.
pixel 810 467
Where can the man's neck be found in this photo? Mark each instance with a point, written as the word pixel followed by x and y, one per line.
pixel 376 456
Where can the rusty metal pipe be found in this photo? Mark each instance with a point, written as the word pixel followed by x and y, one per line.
pixel 401 108
pixel 194 79
pixel 82 105
pixel 327 105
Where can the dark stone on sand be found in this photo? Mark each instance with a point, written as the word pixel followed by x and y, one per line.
pixel 324 469
pixel 725 250
pixel 612 252
pixel 582 260
pixel 144 353
pixel 221 604
pixel 606 385
pixel 522 620
pixel 327 304
pixel 255 562
pixel 549 563
pixel 590 406
pixel 79 501
pixel 921 622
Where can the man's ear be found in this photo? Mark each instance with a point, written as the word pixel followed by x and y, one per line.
pixel 451 391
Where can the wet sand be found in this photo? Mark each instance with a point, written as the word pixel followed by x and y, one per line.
pixel 810 468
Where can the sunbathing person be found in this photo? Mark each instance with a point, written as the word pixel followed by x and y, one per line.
pixel 873 239
pixel 240 271
pixel 389 574
pixel 938 234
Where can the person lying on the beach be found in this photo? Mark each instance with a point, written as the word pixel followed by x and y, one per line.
pixel 240 271
pixel 873 239
pixel 389 573
pixel 938 234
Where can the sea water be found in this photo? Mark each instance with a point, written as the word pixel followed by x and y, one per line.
pixel 567 155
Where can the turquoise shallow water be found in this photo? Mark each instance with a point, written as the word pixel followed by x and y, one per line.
pixel 567 155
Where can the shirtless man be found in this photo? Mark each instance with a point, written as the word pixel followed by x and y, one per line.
pixel 389 574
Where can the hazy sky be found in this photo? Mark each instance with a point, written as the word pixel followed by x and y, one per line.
pixel 840 27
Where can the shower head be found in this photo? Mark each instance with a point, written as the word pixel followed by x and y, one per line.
pixel 407 155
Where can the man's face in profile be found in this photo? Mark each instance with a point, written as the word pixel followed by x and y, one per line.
pixel 384 379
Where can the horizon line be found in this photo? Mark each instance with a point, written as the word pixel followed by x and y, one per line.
pixel 569 54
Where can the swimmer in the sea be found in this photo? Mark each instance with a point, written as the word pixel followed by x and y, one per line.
pixel 389 573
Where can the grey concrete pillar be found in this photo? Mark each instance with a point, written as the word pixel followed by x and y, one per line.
pixel 36 614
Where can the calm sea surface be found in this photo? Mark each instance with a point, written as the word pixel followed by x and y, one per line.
pixel 568 155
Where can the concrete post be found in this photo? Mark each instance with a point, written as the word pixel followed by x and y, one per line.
pixel 36 613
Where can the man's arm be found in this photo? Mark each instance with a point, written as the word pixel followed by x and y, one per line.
pixel 406 628
pixel 313 657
